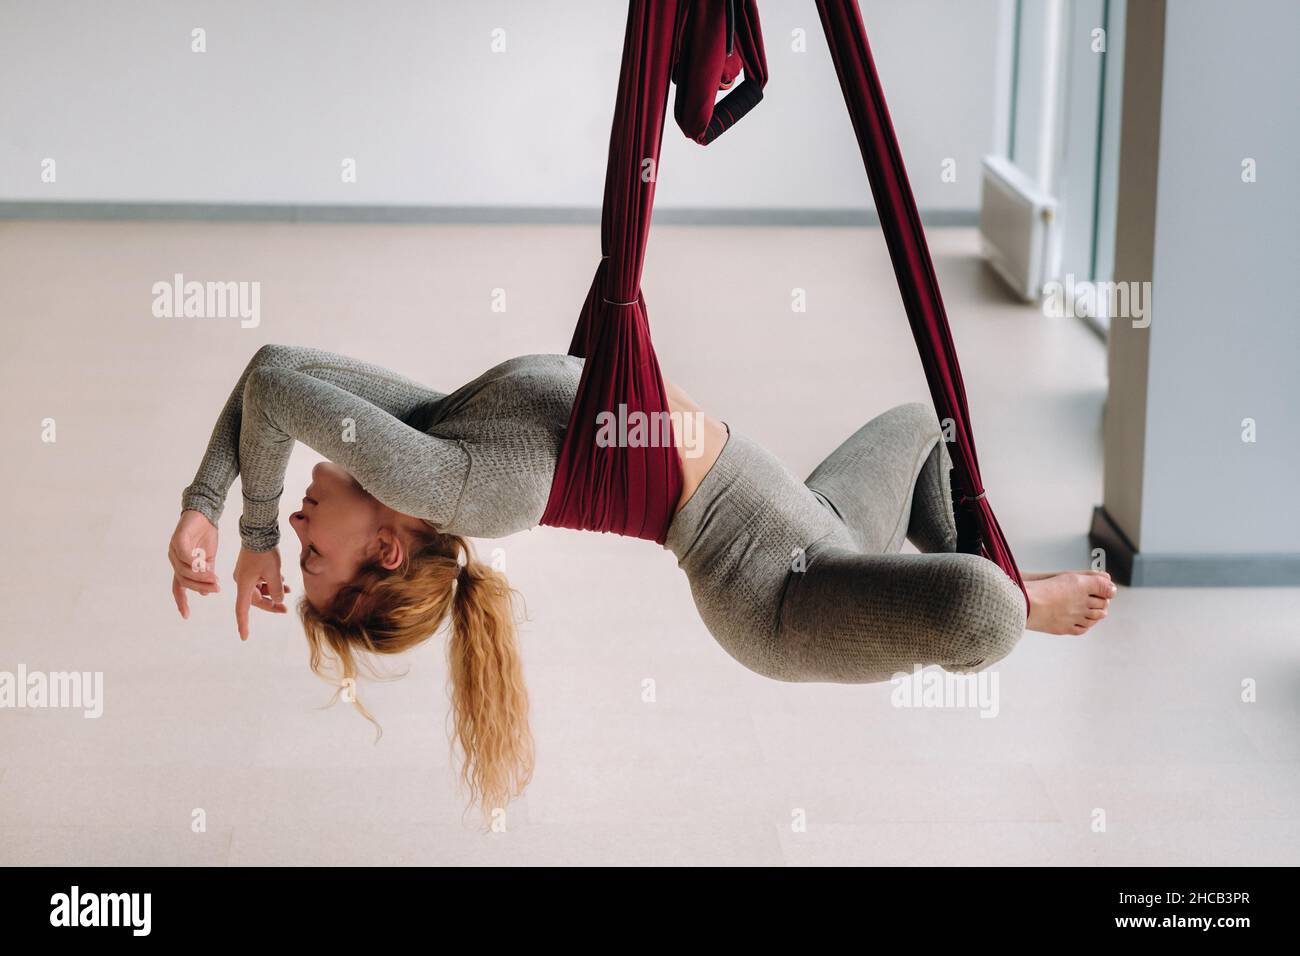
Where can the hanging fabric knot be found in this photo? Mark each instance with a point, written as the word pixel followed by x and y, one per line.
pixel 717 40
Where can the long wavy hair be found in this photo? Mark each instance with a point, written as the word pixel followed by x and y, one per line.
pixel 387 611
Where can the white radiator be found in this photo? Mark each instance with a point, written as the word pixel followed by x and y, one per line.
pixel 1018 233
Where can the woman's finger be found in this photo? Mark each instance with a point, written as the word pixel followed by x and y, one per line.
pixel 275 591
pixel 182 602
pixel 267 602
pixel 204 589
pixel 243 597
pixel 197 565
pixel 191 578
pixel 264 604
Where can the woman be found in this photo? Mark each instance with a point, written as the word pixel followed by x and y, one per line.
pixel 797 581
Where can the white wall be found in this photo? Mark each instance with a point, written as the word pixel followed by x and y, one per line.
pixel 411 89
pixel 1224 338
pixel 1225 331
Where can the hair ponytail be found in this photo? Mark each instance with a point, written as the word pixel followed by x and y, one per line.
pixel 489 698
pixel 390 611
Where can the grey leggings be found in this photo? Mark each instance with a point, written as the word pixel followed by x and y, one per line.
pixel 805 582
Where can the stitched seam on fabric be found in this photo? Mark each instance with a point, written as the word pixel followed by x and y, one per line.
pixel 469 470
pixel 335 367
pixel 274 497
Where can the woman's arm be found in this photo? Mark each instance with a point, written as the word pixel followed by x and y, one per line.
pixel 396 395
pixel 408 470
pixel 327 389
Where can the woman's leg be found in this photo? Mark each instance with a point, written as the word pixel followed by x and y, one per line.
pixel 932 526
pixel 867 482
pixel 855 618
pixel 783 583
pixel 889 480
pixel 864 615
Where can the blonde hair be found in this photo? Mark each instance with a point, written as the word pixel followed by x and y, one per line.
pixel 390 611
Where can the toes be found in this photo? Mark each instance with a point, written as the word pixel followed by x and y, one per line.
pixel 1097 603
pixel 1093 583
pixel 1094 615
pixel 1102 587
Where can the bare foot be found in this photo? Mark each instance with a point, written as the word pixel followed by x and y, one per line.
pixel 1067 602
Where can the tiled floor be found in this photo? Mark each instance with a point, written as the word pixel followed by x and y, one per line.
pixel 1130 746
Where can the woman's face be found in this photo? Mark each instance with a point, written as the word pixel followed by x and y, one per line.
pixel 338 528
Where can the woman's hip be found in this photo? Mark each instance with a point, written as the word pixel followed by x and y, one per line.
pixel 749 526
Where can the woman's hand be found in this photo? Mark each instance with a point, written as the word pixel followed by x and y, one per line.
pixel 258 584
pixel 192 554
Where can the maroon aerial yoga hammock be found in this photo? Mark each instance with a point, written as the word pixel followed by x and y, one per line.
pixel 702 46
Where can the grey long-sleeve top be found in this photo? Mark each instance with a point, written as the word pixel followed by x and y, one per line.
pixel 476 462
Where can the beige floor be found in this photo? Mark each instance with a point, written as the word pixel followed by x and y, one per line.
pixel 1142 720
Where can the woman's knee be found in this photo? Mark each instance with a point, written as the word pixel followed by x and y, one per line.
pixel 913 430
pixel 272 355
pixel 988 616
pixel 915 419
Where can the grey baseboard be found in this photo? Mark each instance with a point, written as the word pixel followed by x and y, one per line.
pixel 458 215
pixel 1136 568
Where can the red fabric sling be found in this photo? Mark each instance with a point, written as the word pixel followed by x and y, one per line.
pixel 598 487
pixel 703 45
pixel 901 224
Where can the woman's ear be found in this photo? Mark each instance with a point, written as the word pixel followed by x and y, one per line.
pixel 392 551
